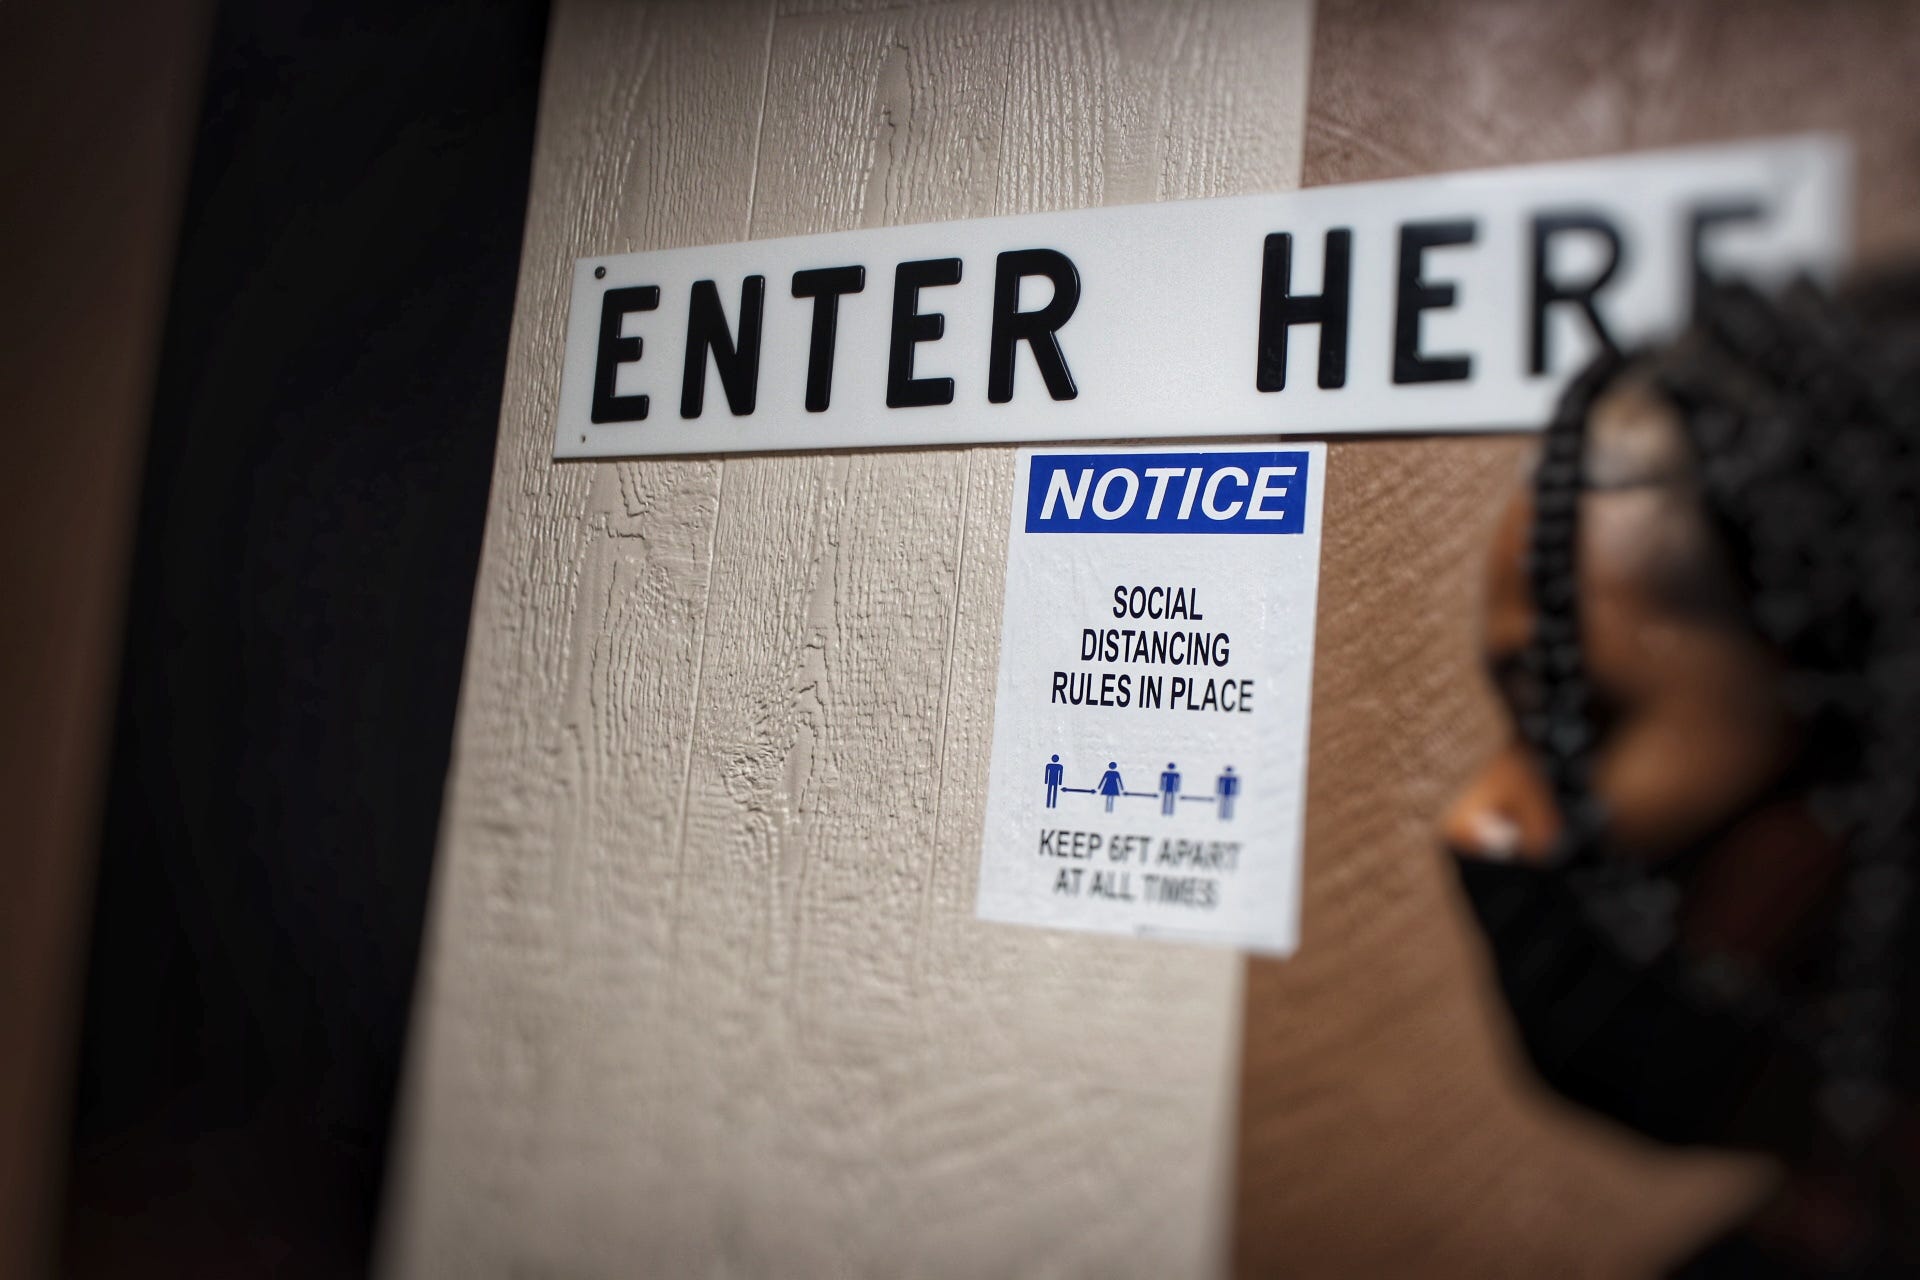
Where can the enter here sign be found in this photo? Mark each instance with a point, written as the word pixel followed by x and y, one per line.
pixel 1454 302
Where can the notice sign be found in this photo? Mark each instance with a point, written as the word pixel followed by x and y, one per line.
pixel 1156 663
pixel 1454 302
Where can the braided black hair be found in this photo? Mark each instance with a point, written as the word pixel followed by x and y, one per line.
pixel 1803 417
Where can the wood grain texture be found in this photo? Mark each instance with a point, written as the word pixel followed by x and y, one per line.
pixel 1388 1127
pixel 703 991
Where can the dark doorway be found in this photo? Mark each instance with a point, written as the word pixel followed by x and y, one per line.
pixel 310 526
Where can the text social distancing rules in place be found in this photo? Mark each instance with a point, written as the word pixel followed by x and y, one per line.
pixel 1149 765
pixel 1456 302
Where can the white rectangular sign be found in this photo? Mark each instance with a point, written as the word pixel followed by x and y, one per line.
pixel 1461 301
pixel 1156 666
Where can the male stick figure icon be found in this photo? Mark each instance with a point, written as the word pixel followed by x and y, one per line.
pixel 1054 774
pixel 1110 785
pixel 1169 788
pixel 1227 788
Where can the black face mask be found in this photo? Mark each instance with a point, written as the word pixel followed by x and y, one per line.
pixel 1632 1039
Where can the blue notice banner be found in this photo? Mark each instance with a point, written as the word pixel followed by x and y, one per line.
pixel 1231 491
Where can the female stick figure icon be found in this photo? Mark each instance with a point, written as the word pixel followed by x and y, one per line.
pixel 1110 785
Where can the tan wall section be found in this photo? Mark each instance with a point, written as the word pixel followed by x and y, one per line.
pixel 1387 1128
pixel 703 990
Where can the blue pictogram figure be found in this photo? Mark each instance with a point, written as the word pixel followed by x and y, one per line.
pixel 1054 775
pixel 1110 784
pixel 1169 788
pixel 1227 788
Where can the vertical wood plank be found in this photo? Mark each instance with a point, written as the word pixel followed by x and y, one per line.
pixel 704 988
pixel 568 787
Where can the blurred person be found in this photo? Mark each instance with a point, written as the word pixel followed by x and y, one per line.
pixel 1694 858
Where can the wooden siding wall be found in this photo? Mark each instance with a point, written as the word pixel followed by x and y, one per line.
pixel 703 992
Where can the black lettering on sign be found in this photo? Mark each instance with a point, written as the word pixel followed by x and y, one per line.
pixel 911 327
pixel 1281 308
pixel 1548 291
pixel 1701 220
pixel 1414 295
pixel 738 363
pixel 613 351
pixel 1038 329
pixel 824 285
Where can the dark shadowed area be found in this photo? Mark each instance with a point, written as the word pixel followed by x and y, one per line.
pixel 313 501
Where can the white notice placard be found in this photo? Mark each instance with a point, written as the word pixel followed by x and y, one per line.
pixel 1156 665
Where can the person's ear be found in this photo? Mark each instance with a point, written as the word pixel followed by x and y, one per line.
pixel 1505 813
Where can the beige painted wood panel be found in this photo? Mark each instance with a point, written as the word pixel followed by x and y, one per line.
pixel 703 992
